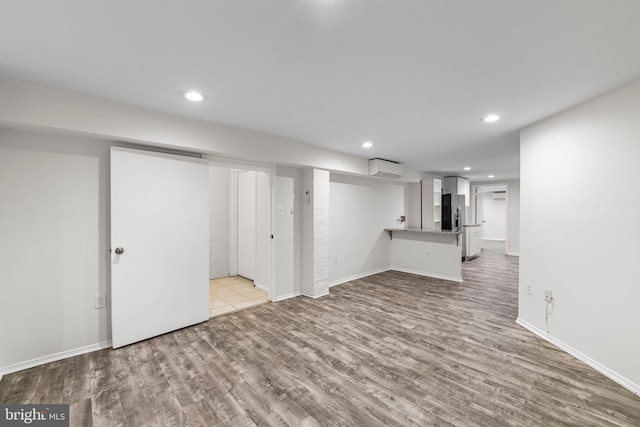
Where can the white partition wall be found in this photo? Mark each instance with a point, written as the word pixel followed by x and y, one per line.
pixel 288 232
pixel 284 235
pixel 315 261
pixel 57 259
pixel 579 198
pixel 360 210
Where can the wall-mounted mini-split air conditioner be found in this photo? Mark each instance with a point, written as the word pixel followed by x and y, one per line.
pixel 385 168
pixel 499 195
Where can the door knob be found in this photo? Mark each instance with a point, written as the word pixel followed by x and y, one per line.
pixel 119 251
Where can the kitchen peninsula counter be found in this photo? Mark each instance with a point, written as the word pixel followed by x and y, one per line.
pixel 432 253
pixel 419 230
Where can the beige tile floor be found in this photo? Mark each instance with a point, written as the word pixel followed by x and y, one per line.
pixel 232 293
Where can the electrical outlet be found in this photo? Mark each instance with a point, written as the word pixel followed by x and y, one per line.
pixel 428 253
pixel 99 301
pixel 335 259
pixel 548 296
pixel 530 288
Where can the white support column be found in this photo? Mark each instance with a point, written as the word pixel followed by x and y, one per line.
pixel 315 280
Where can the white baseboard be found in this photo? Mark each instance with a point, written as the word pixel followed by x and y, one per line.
pixel 359 276
pixel 422 273
pixel 53 357
pixel 614 376
pixel 404 270
pixel 315 296
pixel 494 240
pixel 287 296
pixel 261 286
pixel 513 253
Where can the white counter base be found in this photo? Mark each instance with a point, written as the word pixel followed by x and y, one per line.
pixel 437 255
pixel 422 273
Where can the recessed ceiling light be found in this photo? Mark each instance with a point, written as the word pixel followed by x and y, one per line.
pixel 467 168
pixel 367 144
pixel 491 176
pixel 491 118
pixel 194 96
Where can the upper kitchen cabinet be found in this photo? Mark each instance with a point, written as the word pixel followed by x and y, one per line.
pixel 437 203
pixel 414 205
pixel 457 185
pixel 431 200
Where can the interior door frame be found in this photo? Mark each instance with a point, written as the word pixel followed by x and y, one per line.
pixel 236 167
pixel 474 211
pixel 234 224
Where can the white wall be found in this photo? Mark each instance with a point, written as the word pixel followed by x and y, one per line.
pixel 307 261
pixel 432 255
pixel 286 259
pixel 494 216
pixel 578 234
pixel 413 205
pixel 360 210
pixel 90 119
pixel 513 217
pixel 25 105
pixel 54 250
pixel 219 205
pixel 284 237
pixel 315 260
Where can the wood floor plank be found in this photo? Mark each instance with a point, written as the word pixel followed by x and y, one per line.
pixel 388 349
pixel 81 414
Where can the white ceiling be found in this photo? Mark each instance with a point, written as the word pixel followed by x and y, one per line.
pixel 413 76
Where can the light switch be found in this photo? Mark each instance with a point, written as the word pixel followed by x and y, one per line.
pixel 280 211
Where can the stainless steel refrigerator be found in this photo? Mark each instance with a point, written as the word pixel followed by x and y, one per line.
pixel 453 212
pixel 453 216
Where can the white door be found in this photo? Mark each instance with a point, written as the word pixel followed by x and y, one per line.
pixel 247 224
pixel 159 223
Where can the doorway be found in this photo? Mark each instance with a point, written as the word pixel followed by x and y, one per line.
pixel 240 237
pixel 490 208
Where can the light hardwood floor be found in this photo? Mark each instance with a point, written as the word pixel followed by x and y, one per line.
pixel 228 294
pixel 389 349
